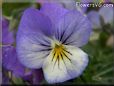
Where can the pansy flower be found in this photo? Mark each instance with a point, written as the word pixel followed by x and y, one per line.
pixel 50 38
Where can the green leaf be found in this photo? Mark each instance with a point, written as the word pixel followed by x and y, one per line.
pixel 8 8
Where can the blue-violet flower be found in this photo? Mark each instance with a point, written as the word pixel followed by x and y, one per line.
pixel 50 38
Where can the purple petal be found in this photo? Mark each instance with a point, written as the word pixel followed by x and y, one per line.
pixel 37 76
pixel 11 62
pixel 7 36
pixel 33 21
pixel 32 38
pixel 108 18
pixel 54 11
pixel 74 29
pixel 94 17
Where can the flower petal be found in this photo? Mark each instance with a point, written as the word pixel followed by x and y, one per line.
pixel 53 10
pixel 32 49
pixel 7 36
pixel 10 61
pixel 107 18
pixel 94 17
pixel 64 69
pixel 33 44
pixel 74 29
pixel 33 21
pixel 37 76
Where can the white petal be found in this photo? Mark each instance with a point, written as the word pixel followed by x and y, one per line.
pixel 65 69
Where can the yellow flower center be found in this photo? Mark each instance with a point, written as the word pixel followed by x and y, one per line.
pixel 60 53
pixel 58 48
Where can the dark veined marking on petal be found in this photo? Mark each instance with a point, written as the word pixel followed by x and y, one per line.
pixel 38 50
pixel 47 42
pixel 68 37
pixel 62 35
pixel 66 56
pixel 57 59
pixel 62 58
pixel 43 40
pixel 41 44
pixel 53 55
pixel 58 56
pixel 44 45
pixel 45 49
pixel 40 57
pixel 65 64
pixel 64 31
pixel 70 34
pixel 67 51
pixel 69 42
